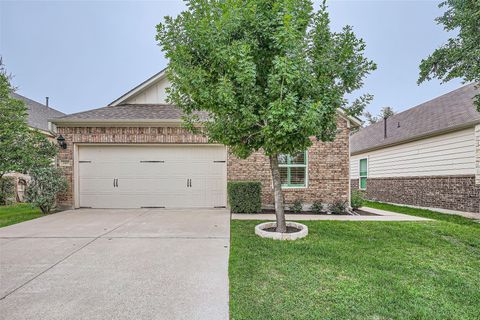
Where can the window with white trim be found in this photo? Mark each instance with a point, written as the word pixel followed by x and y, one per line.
pixel 293 170
pixel 363 168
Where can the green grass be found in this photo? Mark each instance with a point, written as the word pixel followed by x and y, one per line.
pixel 357 270
pixel 421 213
pixel 17 213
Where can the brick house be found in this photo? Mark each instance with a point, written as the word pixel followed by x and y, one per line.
pixel 426 156
pixel 135 153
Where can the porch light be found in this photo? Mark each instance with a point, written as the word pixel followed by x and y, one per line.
pixel 61 142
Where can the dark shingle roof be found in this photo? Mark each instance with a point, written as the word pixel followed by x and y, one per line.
pixel 38 114
pixel 128 112
pixel 447 112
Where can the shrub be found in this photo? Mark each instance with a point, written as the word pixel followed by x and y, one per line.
pixel 317 207
pixel 297 206
pixel 244 196
pixel 46 183
pixel 338 207
pixel 357 199
pixel 7 190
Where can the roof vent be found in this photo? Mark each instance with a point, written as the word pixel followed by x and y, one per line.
pixel 46 101
pixel 385 128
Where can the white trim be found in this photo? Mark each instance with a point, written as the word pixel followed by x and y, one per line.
pixel 158 76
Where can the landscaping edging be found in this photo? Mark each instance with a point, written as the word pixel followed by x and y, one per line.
pixel 259 230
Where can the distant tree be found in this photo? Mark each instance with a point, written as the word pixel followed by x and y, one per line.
pixel 270 74
pixel 21 148
pixel 460 56
pixel 385 113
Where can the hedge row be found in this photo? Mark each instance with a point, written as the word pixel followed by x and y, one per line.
pixel 245 196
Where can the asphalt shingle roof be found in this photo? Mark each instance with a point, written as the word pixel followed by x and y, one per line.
pixel 449 111
pixel 129 112
pixel 38 114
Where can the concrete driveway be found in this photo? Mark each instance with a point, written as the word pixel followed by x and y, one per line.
pixel 116 264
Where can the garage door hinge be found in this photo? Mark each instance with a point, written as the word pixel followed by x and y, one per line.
pixel 218 207
pixel 219 161
pixel 152 161
pixel 84 161
pixel 152 207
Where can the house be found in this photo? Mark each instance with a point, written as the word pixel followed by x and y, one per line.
pixel 38 119
pixel 427 156
pixel 135 153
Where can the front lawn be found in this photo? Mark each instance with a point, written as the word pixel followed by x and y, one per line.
pixel 357 270
pixel 17 213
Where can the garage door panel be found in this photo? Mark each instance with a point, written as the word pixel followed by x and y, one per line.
pixel 152 176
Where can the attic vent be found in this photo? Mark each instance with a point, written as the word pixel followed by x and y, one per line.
pixel 398 124
pixel 385 128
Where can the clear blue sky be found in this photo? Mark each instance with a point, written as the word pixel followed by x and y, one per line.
pixel 86 54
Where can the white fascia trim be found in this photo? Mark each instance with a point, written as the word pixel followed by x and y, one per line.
pixel 158 76
pixel 354 120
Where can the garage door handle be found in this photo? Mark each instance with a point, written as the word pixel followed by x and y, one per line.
pixel 117 183
pixel 114 182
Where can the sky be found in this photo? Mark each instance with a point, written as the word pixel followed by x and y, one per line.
pixel 85 54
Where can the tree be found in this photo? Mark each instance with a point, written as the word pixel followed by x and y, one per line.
pixel 385 113
pixel 21 148
pixel 46 183
pixel 270 74
pixel 460 56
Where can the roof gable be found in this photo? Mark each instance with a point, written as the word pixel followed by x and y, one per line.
pixel 153 84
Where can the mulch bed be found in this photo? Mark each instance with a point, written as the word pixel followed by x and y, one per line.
pixel 289 229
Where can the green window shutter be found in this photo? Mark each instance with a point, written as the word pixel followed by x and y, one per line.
pixel 363 168
pixel 363 173
pixel 363 183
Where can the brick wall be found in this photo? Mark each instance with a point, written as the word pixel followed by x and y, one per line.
pixel 447 192
pixel 328 163
pixel 328 171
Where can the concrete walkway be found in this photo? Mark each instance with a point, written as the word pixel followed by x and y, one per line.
pixel 116 264
pixel 381 215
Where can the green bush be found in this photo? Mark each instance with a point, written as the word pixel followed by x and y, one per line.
pixel 338 207
pixel 7 190
pixel 245 196
pixel 297 206
pixel 46 183
pixel 317 207
pixel 357 199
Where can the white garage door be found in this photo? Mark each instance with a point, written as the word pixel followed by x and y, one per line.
pixel 152 176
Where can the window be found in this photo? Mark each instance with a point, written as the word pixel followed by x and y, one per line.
pixel 363 174
pixel 293 170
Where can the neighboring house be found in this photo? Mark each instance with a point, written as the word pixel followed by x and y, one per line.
pixel 38 119
pixel 135 153
pixel 427 156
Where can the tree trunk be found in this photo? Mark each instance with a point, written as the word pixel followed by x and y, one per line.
pixel 277 190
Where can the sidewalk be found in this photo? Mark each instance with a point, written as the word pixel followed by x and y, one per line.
pixel 381 215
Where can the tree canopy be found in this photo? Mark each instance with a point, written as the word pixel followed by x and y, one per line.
pixel 459 57
pixel 269 73
pixel 21 148
pixel 385 113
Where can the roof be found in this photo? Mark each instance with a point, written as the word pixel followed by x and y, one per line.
pixel 38 114
pixel 127 113
pixel 449 112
